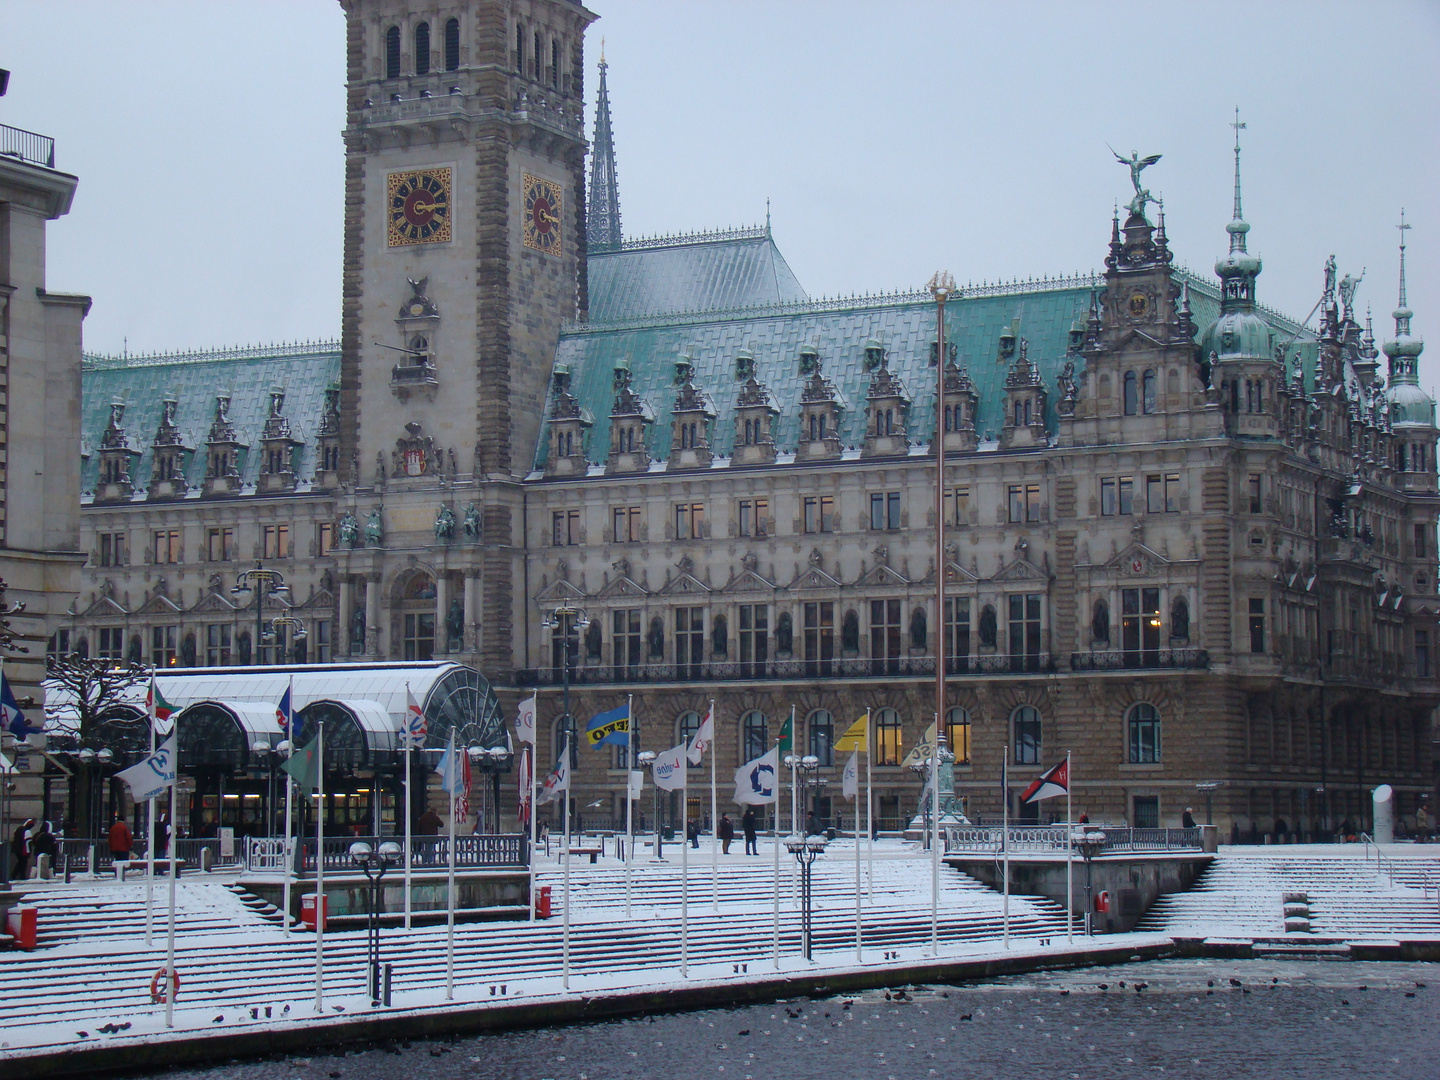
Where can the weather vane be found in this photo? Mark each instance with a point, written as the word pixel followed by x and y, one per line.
pixel 1137 165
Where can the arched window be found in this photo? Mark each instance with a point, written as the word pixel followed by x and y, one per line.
pixel 452 44
pixel 1147 401
pixel 1235 395
pixel 887 737
pixel 1142 725
pixel 822 425
pixel 392 53
pixel 754 735
pixel 957 734
pixel 554 64
pixel 422 49
pixel 1100 621
pixel 822 736
pixel 1132 398
pixel 536 59
pixel 519 49
pixel 1025 722
pixel 686 725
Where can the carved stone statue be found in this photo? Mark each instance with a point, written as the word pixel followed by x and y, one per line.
pixel 349 529
pixel 357 629
pixel 445 524
pixel 1347 287
pixel 454 625
pixel 1330 276
pixel 1136 164
pixel 472 523
pixel 374 529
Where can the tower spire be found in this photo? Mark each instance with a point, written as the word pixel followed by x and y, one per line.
pixel 1238 269
pixel 602 231
pixel 1238 216
pixel 1403 314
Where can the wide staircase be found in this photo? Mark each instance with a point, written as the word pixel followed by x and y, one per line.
pixel 1347 895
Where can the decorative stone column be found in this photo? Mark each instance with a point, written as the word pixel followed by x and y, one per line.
pixel 347 613
pixel 442 608
pixel 372 614
pixel 472 612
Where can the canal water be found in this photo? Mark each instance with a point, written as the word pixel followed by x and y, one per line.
pixel 1296 1020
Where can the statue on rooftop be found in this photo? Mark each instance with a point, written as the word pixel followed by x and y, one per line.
pixel 1137 165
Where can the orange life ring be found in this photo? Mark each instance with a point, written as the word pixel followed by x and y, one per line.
pixel 157 985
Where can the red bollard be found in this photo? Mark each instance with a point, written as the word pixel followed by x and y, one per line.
pixel 542 903
pixel 307 911
pixel 23 925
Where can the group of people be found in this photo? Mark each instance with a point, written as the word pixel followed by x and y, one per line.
pixel 29 841
pixel 726 831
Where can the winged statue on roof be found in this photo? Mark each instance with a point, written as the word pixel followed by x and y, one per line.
pixel 1137 165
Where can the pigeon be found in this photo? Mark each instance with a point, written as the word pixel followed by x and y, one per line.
pixel 1344 1002
pixel 1409 993
pixel 218 1020
pixel 1122 986
pixel 1209 993
pixel 1245 991
pixel 285 1011
pixel 746 1031
pixel 1364 988
pixel 967 1016
pixel 83 1034
pixel 1234 981
pixel 1211 982
pixel 1104 986
pixel 1064 993
pixel 1419 986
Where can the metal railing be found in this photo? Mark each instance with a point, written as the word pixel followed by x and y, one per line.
pixel 1047 839
pixel 1383 866
pixel 1130 659
pixel 27 146
pixel 765 670
pixel 267 855
pixel 76 851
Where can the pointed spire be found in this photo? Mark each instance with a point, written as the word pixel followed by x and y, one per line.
pixel 1404 350
pixel 1403 314
pixel 1238 269
pixel 602 231
pixel 1238 216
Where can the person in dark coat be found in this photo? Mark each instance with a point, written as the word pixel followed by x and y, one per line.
pixel 748 824
pixel 1187 819
pixel 727 833
pixel 20 848
pixel 812 826
pixel 429 823
pixel 693 832
pixel 162 836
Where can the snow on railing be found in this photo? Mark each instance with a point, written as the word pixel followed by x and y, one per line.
pixel 1044 839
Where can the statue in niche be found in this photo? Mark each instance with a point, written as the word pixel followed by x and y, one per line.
pixel 472 523
pixel 988 630
pixel 1100 622
pixel 592 640
pixel 785 634
pixel 445 525
pixel 455 625
pixel 349 530
pixel 357 629
pixel 917 628
pixel 720 636
pixel 656 638
pixel 374 529
pixel 1180 619
pixel 850 632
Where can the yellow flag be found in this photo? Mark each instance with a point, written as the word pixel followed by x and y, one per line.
pixel 923 749
pixel 856 736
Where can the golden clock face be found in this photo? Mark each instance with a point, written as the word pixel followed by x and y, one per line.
pixel 418 207
pixel 543 208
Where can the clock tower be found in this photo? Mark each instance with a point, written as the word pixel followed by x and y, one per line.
pixel 464 253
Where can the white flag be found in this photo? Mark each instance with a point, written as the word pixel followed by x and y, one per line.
pixel 525 721
pixel 153 776
pixel 850 778
pixel 755 780
pixel 703 737
pixel 669 768
pixel 559 780
pixel 637 784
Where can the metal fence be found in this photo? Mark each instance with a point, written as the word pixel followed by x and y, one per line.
pixel 1050 839
pixel 843 668
pixel 264 854
pixel 77 853
pixel 27 146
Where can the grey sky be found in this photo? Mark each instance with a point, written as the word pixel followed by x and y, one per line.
pixel 893 139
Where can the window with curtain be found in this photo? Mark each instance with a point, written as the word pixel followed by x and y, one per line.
pixel 957 734
pixel 887 737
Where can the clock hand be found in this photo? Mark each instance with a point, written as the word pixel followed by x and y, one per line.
pixel 422 208
pixel 548 219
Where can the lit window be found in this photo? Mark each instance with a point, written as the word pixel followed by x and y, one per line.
pixel 887 737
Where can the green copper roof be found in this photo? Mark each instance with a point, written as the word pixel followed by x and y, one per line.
pixel 303 371
pixel 700 272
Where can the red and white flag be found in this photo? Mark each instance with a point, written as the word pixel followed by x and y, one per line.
pixel 1052 782
pixel 527 786
pixel 525 721
pixel 412 728
pixel 703 737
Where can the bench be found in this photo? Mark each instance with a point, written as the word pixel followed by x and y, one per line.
pixel 593 852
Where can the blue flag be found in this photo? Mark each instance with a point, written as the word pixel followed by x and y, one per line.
pixel 14 719
pixel 287 718
pixel 609 727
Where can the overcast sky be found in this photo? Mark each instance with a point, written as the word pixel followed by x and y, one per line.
pixel 892 140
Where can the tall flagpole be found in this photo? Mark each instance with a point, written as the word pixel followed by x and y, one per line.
pixel 858 934
pixel 629 796
pixel 286 856
pixel 775 845
pixel 409 803
pixel 935 841
pixel 685 871
pixel 533 794
pixel 869 817
pixel 1005 834
pixel 794 813
pixel 450 775
pixel 714 822
pixel 150 832
pixel 321 908
pixel 170 850
pixel 565 898
pixel 1069 856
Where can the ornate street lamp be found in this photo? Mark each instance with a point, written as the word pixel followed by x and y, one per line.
pixel 374 863
pixel 265 582
pixel 570 621
pixel 806 850
pixel 492 760
pixel 1088 842
pixel 297 634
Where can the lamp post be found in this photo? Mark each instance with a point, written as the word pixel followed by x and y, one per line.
pixel 266 582
pixel 374 863
pixel 805 849
pixel 1208 789
pixel 806 766
pixel 297 634
pixel 1088 842
pixel 921 769
pixel 645 759
pixel 492 760
pixel 569 620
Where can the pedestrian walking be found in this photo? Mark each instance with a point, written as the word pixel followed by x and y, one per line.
pixel 727 833
pixel 120 840
pixel 162 836
pixel 1422 823
pixel 693 831
pixel 812 827
pixel 1187 820
pixel 20 847
pixel 747 823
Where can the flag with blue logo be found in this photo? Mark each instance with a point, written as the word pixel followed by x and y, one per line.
pixel 412 726
pixel 609 727
pixel 285 716
pixel 153 776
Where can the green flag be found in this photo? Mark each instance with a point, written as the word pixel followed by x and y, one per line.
pixel 304 765
pixel 786 741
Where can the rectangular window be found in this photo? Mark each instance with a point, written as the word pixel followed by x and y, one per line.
pixel 1147 811
pixel 1024 609
pixel 885 510
pixel 59 643
pixel 819 512
pixel 162 645
pixel 1257 625
pixel 1107 496
pixel 627 524
pixel 1172 493
pixel 167 545
pixel 565 528
pixel 957 506
pixel 217 645
pixel 1422 543
pixel 275 541
pixel 1140 627
pixel 625 641
pixel 320 647
pixel 689 641
pixel 1154 495
pixel 1422 654
pixel 1255 501
pixel 1015 498
pixel 112 548
pixel 754 517
pixel 219 545
pixel 885 637
pixel 819 630
pixel 324 538
pixel 689 521
pixel 957 634
pixel 112 643
pixel 887 737
pixel 419 636
pixel 754 639
pixel 1127 494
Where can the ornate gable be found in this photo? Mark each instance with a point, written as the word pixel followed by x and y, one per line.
pixel 104 607
pixel 623 586
pixel 881 575
pixel 813 578
pixel 159 604
pixel 1137 561
pixel 683 584
pixel 215 604
pixel 559 589
pixel 1022 569
pixel 747 581
pixel 955 574
pixel 321 600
